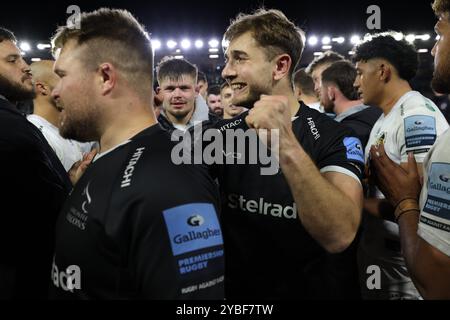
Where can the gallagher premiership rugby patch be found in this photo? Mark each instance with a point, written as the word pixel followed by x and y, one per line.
pixel 354 149
pixel 420 131
pixel 438 201
pixel 192 227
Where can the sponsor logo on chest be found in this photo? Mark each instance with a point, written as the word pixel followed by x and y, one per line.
pixel 313 128
pixel 128 173
pixel 262 207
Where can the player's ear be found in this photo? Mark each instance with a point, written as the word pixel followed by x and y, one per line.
pixel 385 72
pixel 297 92
pixel 282 66
pixel 107 75
pixel 331 93
pixel 42 88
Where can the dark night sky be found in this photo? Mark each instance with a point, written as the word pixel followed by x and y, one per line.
pixel 37 20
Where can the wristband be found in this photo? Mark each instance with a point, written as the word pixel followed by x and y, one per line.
pixel 405 205
pixel 403 199
pixel 403 212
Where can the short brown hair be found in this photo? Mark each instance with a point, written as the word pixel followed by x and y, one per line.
pixel 5 34
pixel 172 68
pixel 215 89
pixel 441 6
pixel 116 36
pixel 273 31
pixel 327 57
pixel 343 75
pixel 201 76
pixel 304 81
pixel 224 85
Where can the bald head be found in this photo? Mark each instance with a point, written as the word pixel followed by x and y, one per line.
pixel 45 80
pixel 43 73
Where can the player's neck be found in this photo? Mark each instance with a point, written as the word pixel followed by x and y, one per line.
pixel 227 116
pixel 126 125
pixel 285 89
pixel 294 105
pixel 392 94
pixel 46 110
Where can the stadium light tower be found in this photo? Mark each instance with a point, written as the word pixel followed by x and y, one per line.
pixel 25 46
pixel 355 39
pixel 171 44
pixel 326 40
pixel 185 44
pixel 312 41
pixel 156 44
pixel 213 43
pixel 198 44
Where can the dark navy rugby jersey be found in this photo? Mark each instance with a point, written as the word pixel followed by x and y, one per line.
pixel 138 226
pixel 268 252
pixel 35 186
pixel 361 121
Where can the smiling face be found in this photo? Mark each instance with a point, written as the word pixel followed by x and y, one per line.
pixel 248 70
pixel 15 77
pixel 178 96
pixel 441 53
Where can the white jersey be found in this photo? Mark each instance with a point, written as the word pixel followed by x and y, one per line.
pixel 413 124
pixel 434 225
pixel 68 151
pixel 316 106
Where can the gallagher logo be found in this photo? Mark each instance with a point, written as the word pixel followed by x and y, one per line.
pixel 418 122
pixel 196 220
pixel 444 178
pixel 192 227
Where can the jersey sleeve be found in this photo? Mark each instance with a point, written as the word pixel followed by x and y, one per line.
pixel 177 245
pixel 180 254
pixel 434 223
pixel 437 236
pixel 421 124
pixel 340 151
